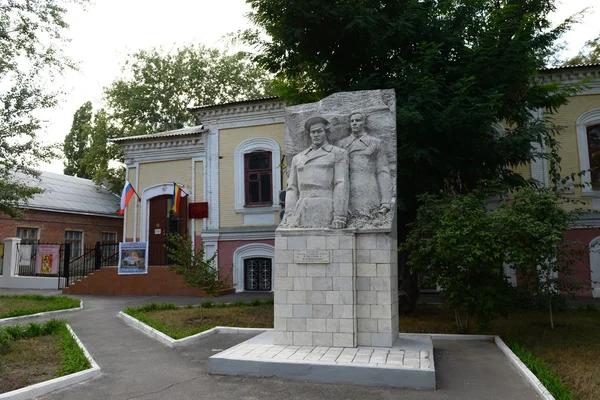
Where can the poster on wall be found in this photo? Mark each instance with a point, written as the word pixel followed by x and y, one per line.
pixel 133 258
pixel 47 258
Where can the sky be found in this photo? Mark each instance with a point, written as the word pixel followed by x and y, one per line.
pixel 106 31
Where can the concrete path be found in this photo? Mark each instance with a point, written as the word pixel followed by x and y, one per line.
pixel 134 366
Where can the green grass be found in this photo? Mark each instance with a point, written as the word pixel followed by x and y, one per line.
pixel 571 350
pixel 72 358
pixel 179 322
pixel 19 305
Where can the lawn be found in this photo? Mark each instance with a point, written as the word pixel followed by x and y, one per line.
pixel 178 322
pixel 35 353
pixel 572 349
pixel 16 306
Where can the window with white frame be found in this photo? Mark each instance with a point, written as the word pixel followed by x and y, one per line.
pixel 588 139
pixel 109 237
pixel 28 235
pixel 75 238
pixel 257 176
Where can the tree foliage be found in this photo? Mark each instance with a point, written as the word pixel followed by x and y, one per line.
pixel 459 68
pixel 464 248
pixel 193 267
pixel 31 36
pixel 590 54
pixel 77 142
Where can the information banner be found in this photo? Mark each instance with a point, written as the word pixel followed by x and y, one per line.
pixel 133 258
pixel 47 258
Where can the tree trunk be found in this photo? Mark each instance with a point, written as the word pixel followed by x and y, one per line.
pixel 551 316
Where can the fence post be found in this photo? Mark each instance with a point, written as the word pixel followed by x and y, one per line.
pixel 11 257
pixel 98 259
pixel 67 262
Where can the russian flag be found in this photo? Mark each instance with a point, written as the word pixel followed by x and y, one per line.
pixel 127 194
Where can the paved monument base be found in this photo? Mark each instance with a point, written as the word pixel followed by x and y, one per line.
pixel 408 363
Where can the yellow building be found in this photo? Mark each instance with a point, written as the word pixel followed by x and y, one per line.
pixel 231 163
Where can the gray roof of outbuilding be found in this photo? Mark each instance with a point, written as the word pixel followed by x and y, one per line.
pixel 68 194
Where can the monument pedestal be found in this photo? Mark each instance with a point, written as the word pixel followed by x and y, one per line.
pixel 335 288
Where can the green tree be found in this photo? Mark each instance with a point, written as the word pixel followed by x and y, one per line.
pixel 590 54
pixel 31 36
pixel 459 67
pixel 77 140
pixel 157 87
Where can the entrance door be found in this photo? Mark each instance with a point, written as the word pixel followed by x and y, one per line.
pixel 161 224
pixel 257 274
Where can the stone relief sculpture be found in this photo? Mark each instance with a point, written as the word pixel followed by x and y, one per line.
pixel 318 186
pixel 370 181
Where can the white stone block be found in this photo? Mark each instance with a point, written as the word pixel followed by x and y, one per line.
pixel 280 297
pixel 322 339
pixel 302 310
pixel 322 283
pixel 379 256
pixel 379 284
pixel 343 340
pixel 381 311
pixel 280 270
pixel 284 256
pixel 283 310
pixel 296 242
pixel 366 241
pixel 333 242
pixel 296 270
pixel 384 298
pixel 315 297
pixel 296 297
pixel 340 283
pixel 384 242
pixel 303 339
pixel 316 325
pixel 362 256
pixel 342 256
pixel 382 339
pixel 332 297
pixel 364 338
pixel 342 311
pixel 395 323
pixel 363 269
pixel 301 283
pixel 363 283
pixel 280 243
pixel 316 243
pixel 284 338
pixel 367 325
pixel 346 297
pixel 384 270
pixel 333 325
pixel 316 270
pixel 346 242
pixel 322 311
pixel 384 325
pixel 346 325
pixel 346 269
pixel 363 297
pixel 333 270
pixel 296 324
pixel 279 324
pixel 363 311
pixel 283 283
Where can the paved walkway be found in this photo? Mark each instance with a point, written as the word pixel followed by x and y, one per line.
pixel 134 366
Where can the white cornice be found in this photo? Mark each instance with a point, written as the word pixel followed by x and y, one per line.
pixel 227 114
pixel 164 149
pixel 569 76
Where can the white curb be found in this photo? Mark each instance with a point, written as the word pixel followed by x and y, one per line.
pixel 42 314
pixel 42 388
pixel 169 341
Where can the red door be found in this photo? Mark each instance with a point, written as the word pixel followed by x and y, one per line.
pixel 161 224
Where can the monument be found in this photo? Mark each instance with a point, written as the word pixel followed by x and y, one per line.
pixel 335 271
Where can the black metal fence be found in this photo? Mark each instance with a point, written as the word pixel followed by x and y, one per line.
pixel 92 259
pixel 27 255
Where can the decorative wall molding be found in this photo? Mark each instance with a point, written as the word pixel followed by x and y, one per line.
pixel 588 118
pixel 164 149
pixel 249 251
pixel 242 111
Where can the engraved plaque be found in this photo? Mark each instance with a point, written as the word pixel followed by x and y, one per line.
pixel 311 257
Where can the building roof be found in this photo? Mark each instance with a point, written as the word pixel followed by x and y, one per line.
pixel 68 194
pixel 595 65
pixel 194 108
pixel 177 132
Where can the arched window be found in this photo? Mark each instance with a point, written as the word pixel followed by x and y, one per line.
pixel 588 139
pixel 593 142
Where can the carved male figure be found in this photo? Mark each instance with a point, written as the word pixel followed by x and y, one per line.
pixel 317 191
pixel 370 181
